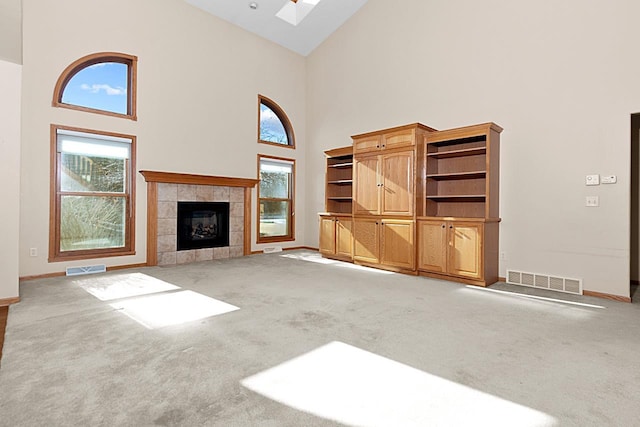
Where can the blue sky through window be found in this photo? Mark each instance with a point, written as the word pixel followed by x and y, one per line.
pixel 271 128
pixel 101 86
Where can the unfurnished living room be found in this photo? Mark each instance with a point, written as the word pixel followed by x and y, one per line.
pixel 319 213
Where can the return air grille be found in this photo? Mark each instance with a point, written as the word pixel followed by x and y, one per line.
pixel 89 269
pixel 544 281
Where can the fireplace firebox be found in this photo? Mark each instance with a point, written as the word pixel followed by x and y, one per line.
pixel 202 225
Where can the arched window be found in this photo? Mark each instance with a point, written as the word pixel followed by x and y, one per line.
pixel 274 126
pixel 103 83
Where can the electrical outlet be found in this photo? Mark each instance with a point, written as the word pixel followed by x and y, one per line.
pixel 503 256
pixel 33 252
pixel 592 201
pixel 609 179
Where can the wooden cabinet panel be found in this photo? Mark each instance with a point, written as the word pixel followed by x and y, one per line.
pixel 465 251
pixel 366 239
pixel 344 236
pixel 366 144
pixel 366 193
pixel 398 139
pixel 396 243
pixel 327 235
pixel 432 246
pixel 397 183
pixel 451 247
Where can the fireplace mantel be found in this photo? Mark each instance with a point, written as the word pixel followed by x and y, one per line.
pixel 153 178
pixel 186 178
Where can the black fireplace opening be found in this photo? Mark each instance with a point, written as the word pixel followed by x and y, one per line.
pixel 203 225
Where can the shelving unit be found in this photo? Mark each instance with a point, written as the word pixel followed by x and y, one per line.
pixel 458 223
pixel 339 184
pixel 459 181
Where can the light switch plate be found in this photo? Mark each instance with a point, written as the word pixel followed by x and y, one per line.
pixel 609 179
pixel 592 201
pixel 592 180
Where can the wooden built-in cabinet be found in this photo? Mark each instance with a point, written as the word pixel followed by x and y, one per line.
pixel 458 218
pixel 336 238
pixel 388 243
pixel 416 200
pixel 339 180
pixel 384 184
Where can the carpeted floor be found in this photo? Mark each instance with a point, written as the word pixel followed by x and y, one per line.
pixel 291 339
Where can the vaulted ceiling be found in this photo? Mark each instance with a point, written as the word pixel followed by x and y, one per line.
pixel 315 23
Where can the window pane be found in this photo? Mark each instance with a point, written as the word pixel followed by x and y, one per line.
pixel 274 217
pixel 102 86
pixel 92 222
pixel 274 185
pixel 271 128
pixel 92 174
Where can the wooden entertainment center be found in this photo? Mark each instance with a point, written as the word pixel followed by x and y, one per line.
pixel 418 201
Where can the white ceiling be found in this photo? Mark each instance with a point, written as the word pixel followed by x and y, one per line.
pixel 323 20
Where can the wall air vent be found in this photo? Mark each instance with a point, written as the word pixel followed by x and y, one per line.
pixel 89 269
pixel 545 281
pixel 272 249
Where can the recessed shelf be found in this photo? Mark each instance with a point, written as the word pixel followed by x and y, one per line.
pixel 458 198
pixel 458 153
pixel 338 198
pixel 341 182
pixel 458 175
pixel 341 165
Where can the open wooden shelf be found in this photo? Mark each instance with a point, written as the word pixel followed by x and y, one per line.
pixel 339 180
pixel 340 165
pixel 458 153
pixel 458 175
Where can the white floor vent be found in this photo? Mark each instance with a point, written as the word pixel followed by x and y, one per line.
pixel 272 249
pixel 89 269
pixel 543 281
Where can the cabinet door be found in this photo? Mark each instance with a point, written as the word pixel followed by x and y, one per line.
pixel 432 246
pixel 327 235
pixel 397 183
pixel 344 237
pixel 366 240
pixel 366 144
pixel 398 139
pixel 396 243
pixel 465 249
pixel 366 198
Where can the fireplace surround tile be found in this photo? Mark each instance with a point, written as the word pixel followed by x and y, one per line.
pixel 221 253
pixel 168 193
pixel 221 194
pixel 186 193
pixel 165 189
pixel 205 193
pixel 185 257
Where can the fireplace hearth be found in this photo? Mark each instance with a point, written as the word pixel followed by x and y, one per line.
pixel 202 225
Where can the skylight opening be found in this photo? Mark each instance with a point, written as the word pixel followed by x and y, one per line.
pixel 296 10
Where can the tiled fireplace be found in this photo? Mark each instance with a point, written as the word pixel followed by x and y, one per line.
pixel 166 189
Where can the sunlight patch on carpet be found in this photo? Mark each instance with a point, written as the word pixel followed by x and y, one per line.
pixel 317 258
pixel 157 311
pixel 355 387
pixel 554 306
pixel 116 286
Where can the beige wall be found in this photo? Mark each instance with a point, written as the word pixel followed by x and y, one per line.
pixel 560 77
pixel 9 176
pixel 11 30
pixel 198 81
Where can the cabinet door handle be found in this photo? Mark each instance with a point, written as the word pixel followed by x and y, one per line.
pixel 443 225
pixel 451 226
